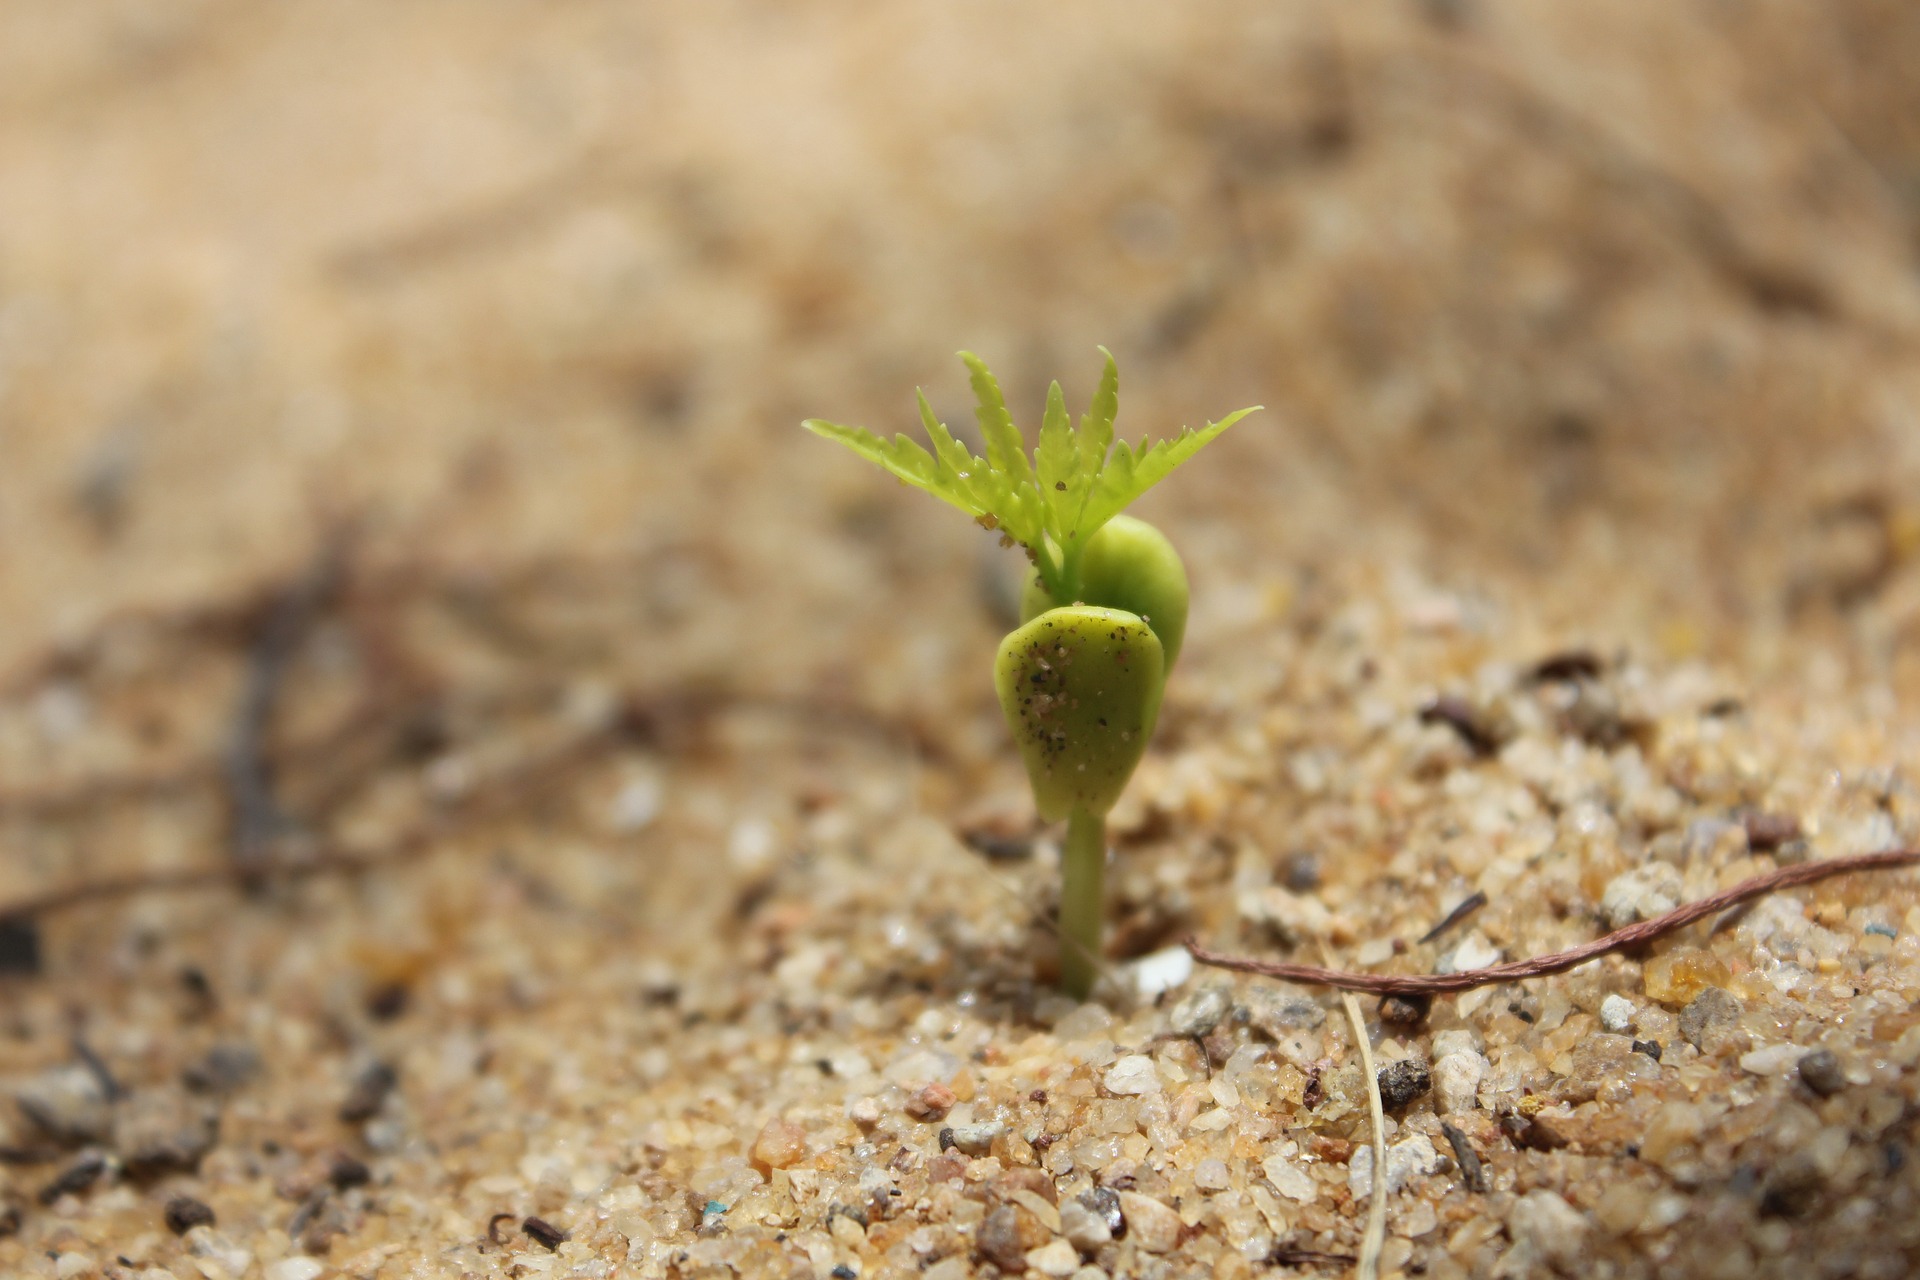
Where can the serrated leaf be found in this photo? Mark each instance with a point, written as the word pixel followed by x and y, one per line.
pixel 1096 425
pixel 1006 447
pixel 1130 473
pixel 1053 504
pixel 906 459
pixel 1057 461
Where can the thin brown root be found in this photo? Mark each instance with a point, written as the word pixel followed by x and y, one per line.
pixel 1630 938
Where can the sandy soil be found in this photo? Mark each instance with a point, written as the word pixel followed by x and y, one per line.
pixel 403 485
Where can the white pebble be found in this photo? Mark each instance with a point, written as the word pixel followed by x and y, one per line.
pixel 1547 1226
pixel 1616 1014
pixel 1474 952
pixel 1133 1074
pixel 1640 894
pixel 297 1267
pixel 1773 1059
pixel 1405 1161
pixel 70 1265
pixel 638 804
pixel 1456 1080
pixel 1055 1259
pixel 1161 971
pixel 1289 1179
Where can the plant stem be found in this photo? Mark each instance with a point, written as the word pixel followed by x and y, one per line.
pixel 1083 866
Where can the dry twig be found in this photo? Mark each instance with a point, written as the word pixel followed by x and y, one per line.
pixel 1628 939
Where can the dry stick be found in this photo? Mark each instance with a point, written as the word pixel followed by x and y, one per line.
pixel 1627 939
pixel 1375 1236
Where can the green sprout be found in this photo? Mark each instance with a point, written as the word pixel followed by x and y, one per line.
pixel 1103 613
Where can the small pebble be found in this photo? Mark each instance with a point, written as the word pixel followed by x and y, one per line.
pixel 368 1092
pixel 864 1112
pixel 1406 1160
pixel 780 1143
pixel 1771 1060
pixel 1549 1228
pixel 1056 1258
pixel 1640 894
pixel 1403 1081
pixel 1162 971
pixel 225 1069
pixel 1768 831
pixel 1456 1080
pixel 68 1103
pixel 1820 1071
pixel 184 1213
pixel 1199 1012
pixel 1007 1235
pixel 1132 1075
pixel 1084 1227
pixel 1474 952
pixel 69 1266
pixel 1300 871
pixel 974 1139
pixel 1616 1014
pixel 1710 1018
pixel 1289 1179
pixel 1275 1013
pixel 1151 1225
pixel 1405 1011
pixel 931 1102
pixel 163 1131
pixel 297 1267
pixel 344 1172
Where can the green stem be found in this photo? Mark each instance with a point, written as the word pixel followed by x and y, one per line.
pixel 1081 911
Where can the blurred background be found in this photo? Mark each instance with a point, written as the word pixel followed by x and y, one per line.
pixel 1609 311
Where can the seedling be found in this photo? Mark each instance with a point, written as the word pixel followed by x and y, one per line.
pixel 1103 613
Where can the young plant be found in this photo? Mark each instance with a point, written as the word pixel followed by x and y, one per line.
pixel 1103 613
